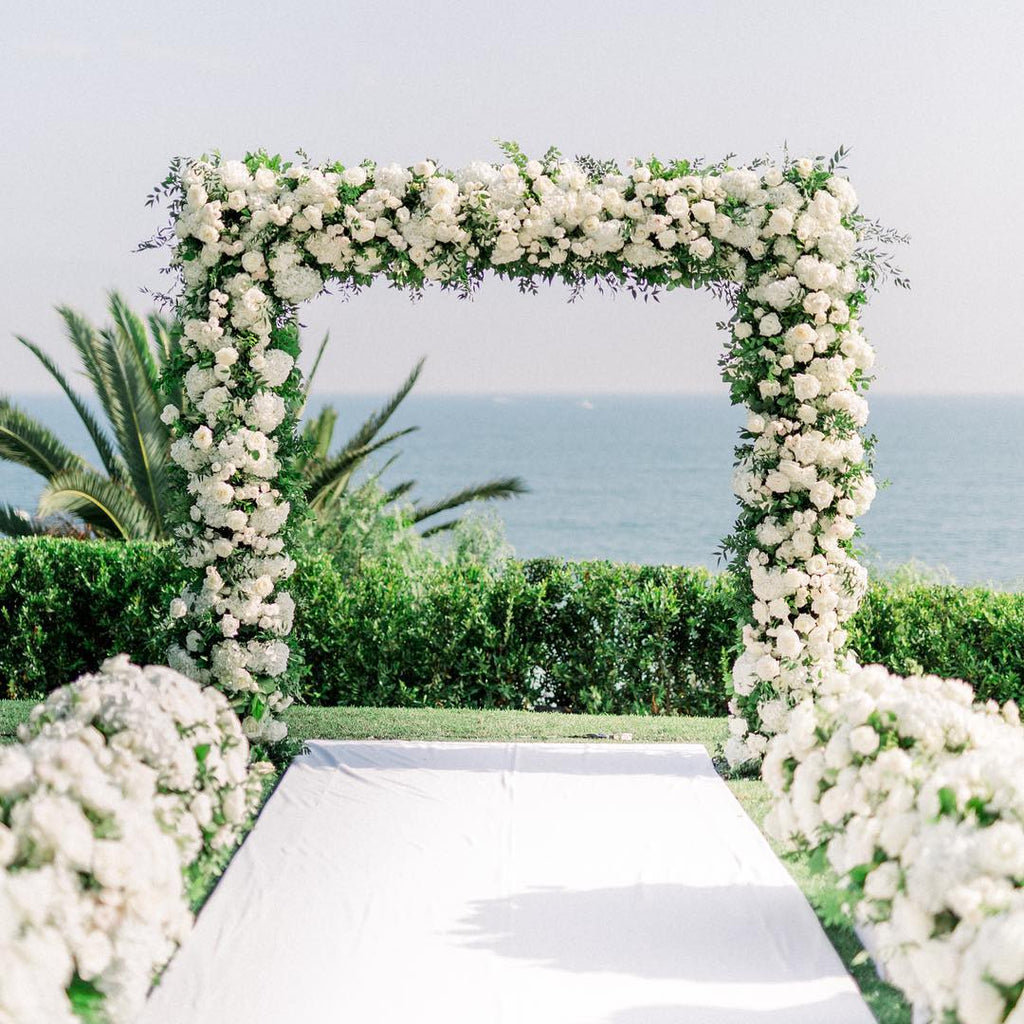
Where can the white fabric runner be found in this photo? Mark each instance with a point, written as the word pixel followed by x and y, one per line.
pixel 473 883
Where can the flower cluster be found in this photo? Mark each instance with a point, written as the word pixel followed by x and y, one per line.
pixel 914 796
pixel 257 237
pixel 121 780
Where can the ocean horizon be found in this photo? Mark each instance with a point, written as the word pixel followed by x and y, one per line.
pixel 646 478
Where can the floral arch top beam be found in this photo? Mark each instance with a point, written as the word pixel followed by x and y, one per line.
pixel 255 238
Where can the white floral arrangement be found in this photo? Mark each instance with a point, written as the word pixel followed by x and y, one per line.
pixel 119 782
pixel 254 238
pixel 914 796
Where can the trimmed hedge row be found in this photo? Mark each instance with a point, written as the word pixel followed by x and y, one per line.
pixel 573 636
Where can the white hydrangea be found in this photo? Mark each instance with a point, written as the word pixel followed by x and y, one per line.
pixel 104 781
pixel 914 792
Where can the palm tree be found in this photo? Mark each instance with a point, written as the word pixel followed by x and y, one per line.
pixel 327 477
pixel 127 497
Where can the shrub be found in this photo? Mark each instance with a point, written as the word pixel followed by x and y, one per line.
pixel 545 634
pixel 66 605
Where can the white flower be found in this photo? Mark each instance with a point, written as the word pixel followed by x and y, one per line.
pixel 355 177
pixel 864 740
pixel 702 248
pixel 234 175
pixel 769 326
pixel 170 414
pixel 806 386
pixel 203 438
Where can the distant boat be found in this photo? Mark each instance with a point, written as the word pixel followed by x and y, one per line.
pixel 586 404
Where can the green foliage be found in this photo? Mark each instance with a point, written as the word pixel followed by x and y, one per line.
pixel 475 630
pixel 66 605
pixel 967 633
pixel 126 497
pixel 327 479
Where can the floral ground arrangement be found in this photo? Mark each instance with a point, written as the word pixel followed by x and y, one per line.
pixel 124 787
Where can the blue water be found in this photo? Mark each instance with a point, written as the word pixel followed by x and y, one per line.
pixel 647 479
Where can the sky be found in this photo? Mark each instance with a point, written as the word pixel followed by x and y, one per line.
pixel 99 97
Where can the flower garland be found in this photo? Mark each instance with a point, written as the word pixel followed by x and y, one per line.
pixel 122 781
pixel 914 796
pixel 256 238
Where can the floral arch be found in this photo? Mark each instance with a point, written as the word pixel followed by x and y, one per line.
pixel 784 244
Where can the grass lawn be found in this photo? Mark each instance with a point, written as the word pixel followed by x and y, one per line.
pixel 431 724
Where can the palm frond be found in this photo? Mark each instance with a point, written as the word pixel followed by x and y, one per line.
pixel 332 476
pixel 161 332
pixel 312 371
pixel 433 531
pixel 134 411
pixel 87 342
pixel 494 490
pixel 109 507
pixel 375 423
pixel 112 462
pixel 398 491
pixel 320 432
pixel 16 522
pixel 133 332
pixel 26 441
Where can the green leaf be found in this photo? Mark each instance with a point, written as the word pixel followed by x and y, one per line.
pixel 86 1001
pixel 16 522
pixel 27 442
pixel 501 489
pixel 947 801
pixel 112 462
pixel 107 506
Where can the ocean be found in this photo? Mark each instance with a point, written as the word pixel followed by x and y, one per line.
pixel 647 478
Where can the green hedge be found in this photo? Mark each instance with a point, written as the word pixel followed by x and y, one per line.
pixel 593 637
pixel 576 636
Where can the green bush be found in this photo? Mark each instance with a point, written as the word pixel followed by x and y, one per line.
pixel 588 637
pixel 573 636
pixel 965 633
pixel 65 605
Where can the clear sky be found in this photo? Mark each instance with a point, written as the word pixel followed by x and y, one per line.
pixel 98 97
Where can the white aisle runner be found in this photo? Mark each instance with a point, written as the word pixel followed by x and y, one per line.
pixel 471 883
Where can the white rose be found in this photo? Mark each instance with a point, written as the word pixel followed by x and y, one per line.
pixel 178 608
pixel 677 207
pixel 354 177
pixel 806 386
pixel 704 211
pixel 780 222
pixel 804 166
pixel 769 326
pixel 170 414
pixel 203 438
pixel 234 175
pixel 702 248
pixel 864 740
pixel 265 179
pixel 822 494
pixel 787 643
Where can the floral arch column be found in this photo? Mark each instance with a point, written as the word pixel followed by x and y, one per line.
pixel 256 238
